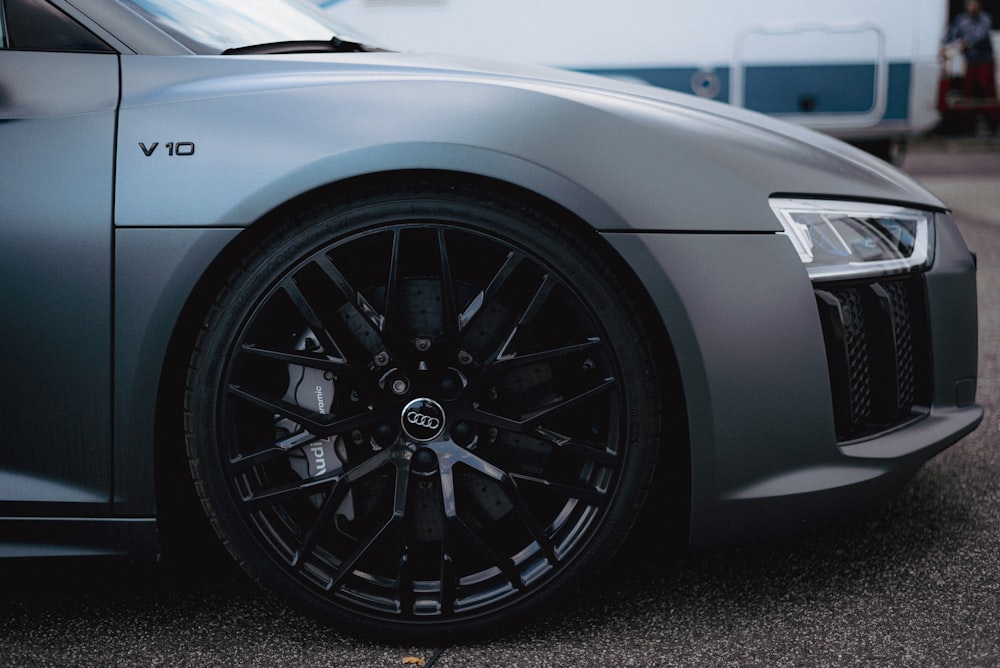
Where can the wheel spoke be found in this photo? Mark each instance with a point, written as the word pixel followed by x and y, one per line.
pixel 527 315
pixel 450 455
pixel 331 503
pixel 530 421
pixel 589 495
pixel 335 497
pixel 366 544
pixel 512 474
pixel 449 308
pixel 273 496
pixel 513 360
pixel 455 455
pixel 449 581
pixel 454 522
pixel 448 585
pixel 301 303
pixel 310 360
pixel 505 565
pixel 393 521
pixel 314 423
pixel 354 299
pixel 509 476
pixel 498 281
pixel 354 330
pixel 392 294
pixel 533 419
pixel 281 493
pixel 244 462
pixel 592 451
pixel 404 574
pixel 528 520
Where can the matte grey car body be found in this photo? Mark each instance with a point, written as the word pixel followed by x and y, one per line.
pixel 132 179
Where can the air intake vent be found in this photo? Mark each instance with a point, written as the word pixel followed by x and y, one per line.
pixel 877 348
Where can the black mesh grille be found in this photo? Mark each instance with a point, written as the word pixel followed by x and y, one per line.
pixel 878 353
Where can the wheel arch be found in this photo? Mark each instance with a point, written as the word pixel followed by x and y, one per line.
pixel 670 490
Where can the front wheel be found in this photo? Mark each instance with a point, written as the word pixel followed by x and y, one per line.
pixel 422 413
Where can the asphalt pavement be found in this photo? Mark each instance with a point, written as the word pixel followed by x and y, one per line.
pixel 914 583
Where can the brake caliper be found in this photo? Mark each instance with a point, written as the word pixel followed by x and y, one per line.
pixel 313 390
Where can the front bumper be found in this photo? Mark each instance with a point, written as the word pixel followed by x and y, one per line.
pixel 768 453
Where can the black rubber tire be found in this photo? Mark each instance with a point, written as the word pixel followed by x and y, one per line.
pixel 514 477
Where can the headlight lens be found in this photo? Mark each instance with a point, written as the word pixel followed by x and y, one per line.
pixel 850 239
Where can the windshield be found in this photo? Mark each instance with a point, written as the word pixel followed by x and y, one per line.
pixel 212 26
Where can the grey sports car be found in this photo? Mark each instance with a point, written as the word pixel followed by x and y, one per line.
pixel 428 330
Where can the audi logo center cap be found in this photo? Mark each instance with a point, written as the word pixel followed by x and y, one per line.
pixel 423 420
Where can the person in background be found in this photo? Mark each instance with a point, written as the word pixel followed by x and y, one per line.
pixel 971 31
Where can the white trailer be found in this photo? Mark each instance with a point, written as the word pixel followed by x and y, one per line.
pixel 862 70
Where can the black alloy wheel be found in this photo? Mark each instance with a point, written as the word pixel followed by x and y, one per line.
pixel 422 413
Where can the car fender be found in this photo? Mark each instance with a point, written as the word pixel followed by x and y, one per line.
pixel 225 149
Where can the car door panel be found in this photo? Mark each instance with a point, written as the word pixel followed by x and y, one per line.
pixel 57 125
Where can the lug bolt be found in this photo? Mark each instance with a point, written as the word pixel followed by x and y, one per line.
pixel 399 386
pixel 357 437
pixel 449 387
pixel 422 345
pixel 424 461
pixel 462 433
pixel 381 358
pixel 464 358
pixel 385 435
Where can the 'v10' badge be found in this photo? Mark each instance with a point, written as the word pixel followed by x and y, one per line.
pixel 181 148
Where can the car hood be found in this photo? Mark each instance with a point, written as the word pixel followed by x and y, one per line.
pixel 736 137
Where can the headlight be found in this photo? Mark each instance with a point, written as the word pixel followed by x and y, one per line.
pixel 849 239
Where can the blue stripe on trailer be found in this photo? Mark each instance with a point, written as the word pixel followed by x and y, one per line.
pixel 786 89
